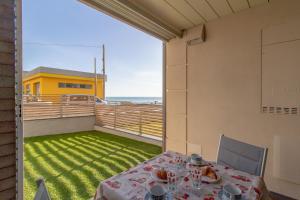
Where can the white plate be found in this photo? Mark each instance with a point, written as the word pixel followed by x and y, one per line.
pixel 220 195
pixel 168 196
pixel 195 164
pixel 209 180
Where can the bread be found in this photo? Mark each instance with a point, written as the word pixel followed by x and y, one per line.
pixel 204 170
pixel 209 172
pixel 162 174
pixel 212 175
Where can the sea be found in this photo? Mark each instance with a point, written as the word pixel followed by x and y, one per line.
pixel 141 100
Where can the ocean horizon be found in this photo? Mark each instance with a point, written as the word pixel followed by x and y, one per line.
pixel 136 99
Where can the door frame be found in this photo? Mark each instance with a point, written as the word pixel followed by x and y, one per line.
pixel 18 101
pixel 19 94
pixel 164 96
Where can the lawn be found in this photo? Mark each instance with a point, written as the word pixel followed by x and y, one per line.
pixel 73 164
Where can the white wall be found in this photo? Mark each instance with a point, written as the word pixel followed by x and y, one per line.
pixel 214 88
pixel 40 127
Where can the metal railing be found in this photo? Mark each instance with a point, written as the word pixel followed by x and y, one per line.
pixel 55 106
pixel 144 119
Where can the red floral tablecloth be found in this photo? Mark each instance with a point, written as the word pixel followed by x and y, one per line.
pixel 130 185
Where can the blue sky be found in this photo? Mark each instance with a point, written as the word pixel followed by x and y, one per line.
pixel 134 59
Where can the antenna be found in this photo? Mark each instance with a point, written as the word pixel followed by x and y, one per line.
pixel 95 69
pixel 103 69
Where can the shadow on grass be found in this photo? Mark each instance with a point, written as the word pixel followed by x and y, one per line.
pixel 73 164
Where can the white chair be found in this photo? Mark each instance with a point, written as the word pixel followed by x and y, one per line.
pixel 42 192
pixel 242 156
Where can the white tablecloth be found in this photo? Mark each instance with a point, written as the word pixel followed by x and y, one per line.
pixel 130 185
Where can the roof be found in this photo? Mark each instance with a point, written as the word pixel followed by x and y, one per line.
pixel 167 19
pixel 65 72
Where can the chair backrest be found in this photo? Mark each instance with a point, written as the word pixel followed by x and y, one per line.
pixel 242 156
pixel 42 192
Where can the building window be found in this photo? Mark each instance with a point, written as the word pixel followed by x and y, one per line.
pixel 74 85
pixel 70 85
pixel 86 86
pixel 36 88
pixel 61 85
pixel 27 91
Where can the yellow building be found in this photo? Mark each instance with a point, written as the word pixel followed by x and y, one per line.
pixel 52 81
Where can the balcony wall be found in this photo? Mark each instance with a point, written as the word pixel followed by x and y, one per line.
pixel 215 88
pixel 39 127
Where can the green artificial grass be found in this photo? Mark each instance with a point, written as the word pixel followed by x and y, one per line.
pixel 73 164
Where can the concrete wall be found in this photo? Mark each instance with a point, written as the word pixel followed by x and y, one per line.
pixel 58 125
pixel 133 136
pixel 215 88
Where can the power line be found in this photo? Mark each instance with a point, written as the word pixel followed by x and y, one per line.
pixel 62 45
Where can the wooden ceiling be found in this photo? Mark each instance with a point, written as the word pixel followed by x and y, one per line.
pixel 184 14
pixel 166 19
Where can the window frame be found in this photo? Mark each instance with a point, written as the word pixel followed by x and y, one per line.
pixel 75 85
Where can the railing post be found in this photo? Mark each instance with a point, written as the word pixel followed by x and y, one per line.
pixel 115 116
pixel 140 122
pixel 61 106
pixel 95 107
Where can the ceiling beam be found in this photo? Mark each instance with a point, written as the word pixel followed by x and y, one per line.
pixel 132 15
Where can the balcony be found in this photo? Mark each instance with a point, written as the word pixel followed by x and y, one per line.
pixel 73 164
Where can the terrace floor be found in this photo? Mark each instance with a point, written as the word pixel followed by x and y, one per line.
pixel 72 164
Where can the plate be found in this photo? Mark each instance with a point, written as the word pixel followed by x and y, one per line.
pixel 220 195
pixel 209 180
pixel 195 164
pixel 168 196
pixel 156 178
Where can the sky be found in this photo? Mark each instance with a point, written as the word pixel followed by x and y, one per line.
pixel 133 58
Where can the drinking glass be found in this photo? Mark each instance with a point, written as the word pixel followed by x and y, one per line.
pixel 172 180
pixel 196 177
pixel 179 161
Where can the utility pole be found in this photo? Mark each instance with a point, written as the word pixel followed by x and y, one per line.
pixel 103 70
pixel 95 69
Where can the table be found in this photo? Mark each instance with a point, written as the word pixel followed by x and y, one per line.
pixel 130 184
